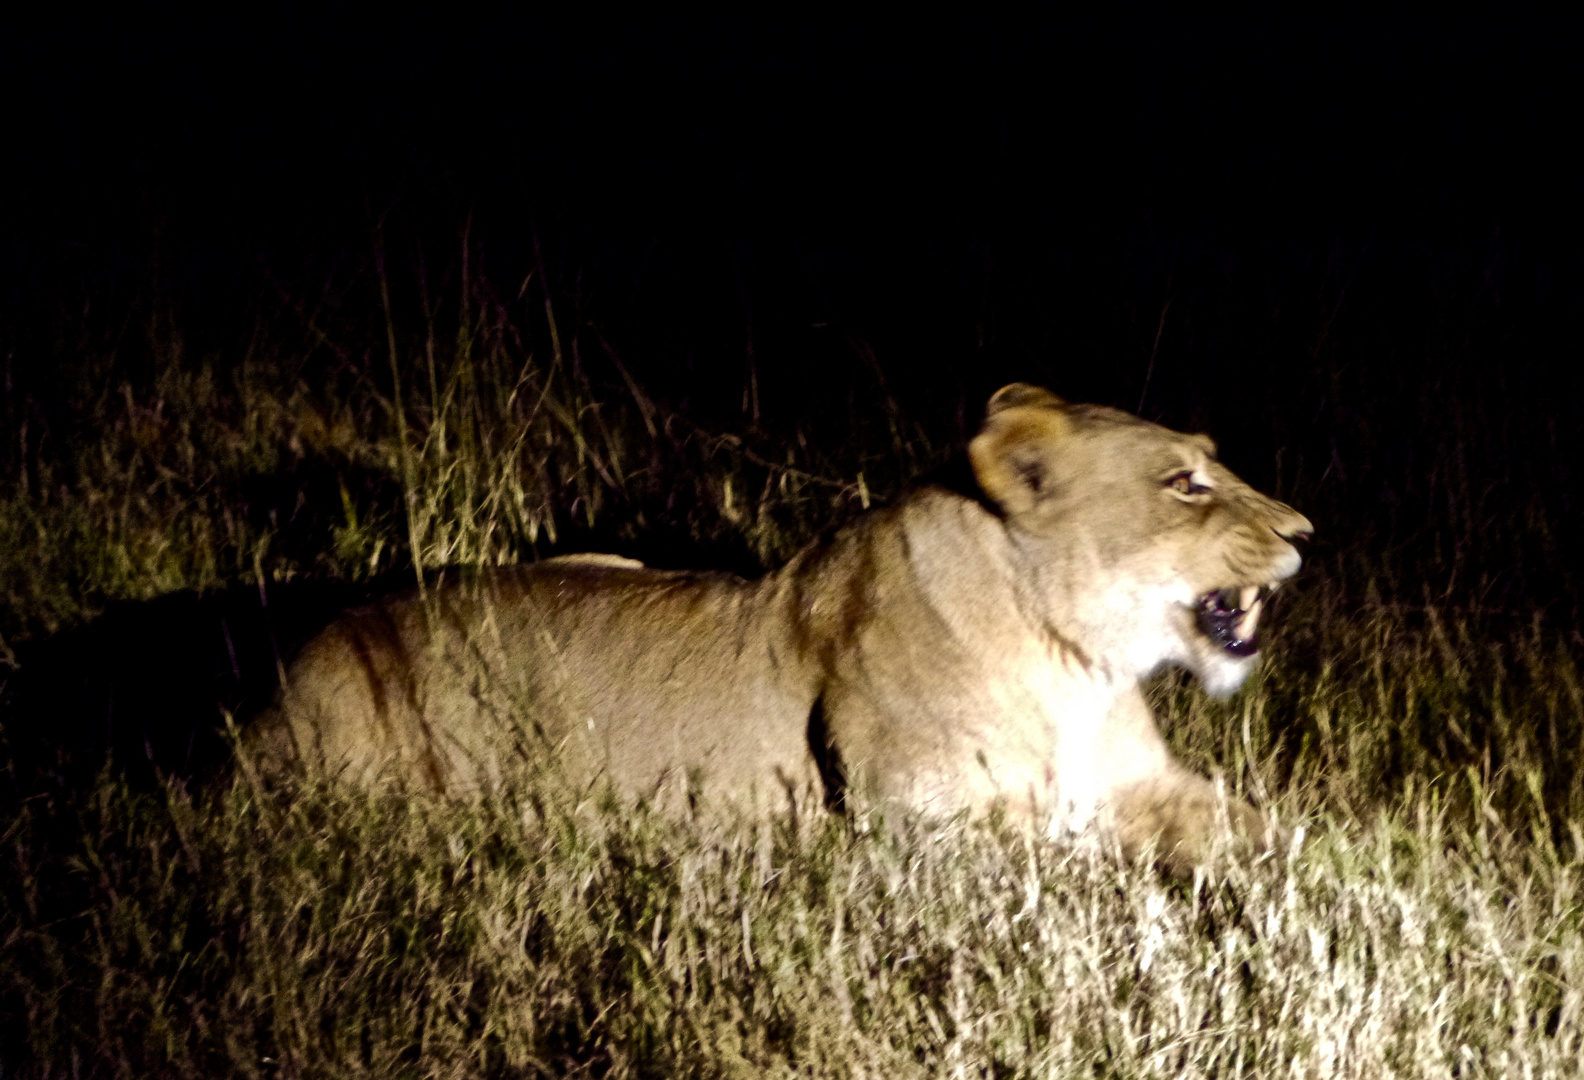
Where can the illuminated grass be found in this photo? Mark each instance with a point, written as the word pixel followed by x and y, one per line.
pixel 355 936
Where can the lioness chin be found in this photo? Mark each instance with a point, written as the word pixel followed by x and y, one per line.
pixel 955 651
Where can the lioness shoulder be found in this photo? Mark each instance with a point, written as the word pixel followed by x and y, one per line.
pixel 953 651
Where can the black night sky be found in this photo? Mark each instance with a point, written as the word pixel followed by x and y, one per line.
pixel 886 173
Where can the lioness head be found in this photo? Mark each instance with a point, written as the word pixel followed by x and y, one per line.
pixel 1174 556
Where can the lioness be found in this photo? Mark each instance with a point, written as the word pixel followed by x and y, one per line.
pixel 952 651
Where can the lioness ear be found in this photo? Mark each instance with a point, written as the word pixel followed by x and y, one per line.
pixel 1019 394
pixel 1014 454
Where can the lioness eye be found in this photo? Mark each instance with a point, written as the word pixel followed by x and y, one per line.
pixel 1183 484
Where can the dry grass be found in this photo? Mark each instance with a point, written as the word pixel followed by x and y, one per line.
pixel 350 936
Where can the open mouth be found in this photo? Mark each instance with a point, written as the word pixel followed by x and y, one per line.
pixel 1230 617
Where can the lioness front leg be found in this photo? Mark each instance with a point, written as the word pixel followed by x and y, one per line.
pixel 1185 818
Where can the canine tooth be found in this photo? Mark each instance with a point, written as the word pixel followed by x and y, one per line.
pixel 1245 626
pixel 1249 595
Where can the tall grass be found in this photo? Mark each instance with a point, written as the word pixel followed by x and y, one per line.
pixel 347 935
pixel 1425 746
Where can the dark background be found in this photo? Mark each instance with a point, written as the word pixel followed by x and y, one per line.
pixel 1347 244
pixel 977 195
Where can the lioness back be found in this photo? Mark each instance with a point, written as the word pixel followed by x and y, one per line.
pixel 957 650
pixel 635 674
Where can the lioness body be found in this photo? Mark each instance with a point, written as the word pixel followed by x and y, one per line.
pixel 948 652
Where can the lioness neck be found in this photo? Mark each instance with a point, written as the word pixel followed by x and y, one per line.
pixel 938 673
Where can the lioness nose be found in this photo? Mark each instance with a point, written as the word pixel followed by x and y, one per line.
pixel 1296 530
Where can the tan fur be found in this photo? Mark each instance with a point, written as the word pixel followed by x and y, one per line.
pixel 950 652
